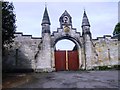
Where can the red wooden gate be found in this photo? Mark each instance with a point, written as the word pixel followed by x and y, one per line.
pixel 60 60
pixel 66 60
pixel 73 62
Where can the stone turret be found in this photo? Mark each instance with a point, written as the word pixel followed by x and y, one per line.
pixel 87 41
pixel 44 57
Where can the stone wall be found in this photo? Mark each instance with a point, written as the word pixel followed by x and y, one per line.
pixel 106 49
pixel 22 53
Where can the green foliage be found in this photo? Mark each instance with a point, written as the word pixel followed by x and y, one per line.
pixel 117 67
pixel 113 67
pixel 103 68
pixel 8 24
pixel 117 29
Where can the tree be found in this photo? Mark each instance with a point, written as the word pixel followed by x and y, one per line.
pixel 117 29
pixel 8 24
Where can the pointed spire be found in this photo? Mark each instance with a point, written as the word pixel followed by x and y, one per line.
pixel 85 21
pixel 45 19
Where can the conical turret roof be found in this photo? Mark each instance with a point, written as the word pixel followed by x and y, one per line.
pixel 85 21
pixel 45 19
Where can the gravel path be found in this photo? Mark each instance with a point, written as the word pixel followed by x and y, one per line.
pixel 73 79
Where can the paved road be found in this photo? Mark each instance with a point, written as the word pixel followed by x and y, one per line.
pixel 73 79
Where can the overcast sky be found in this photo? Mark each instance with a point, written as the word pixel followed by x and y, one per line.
pixel 103 16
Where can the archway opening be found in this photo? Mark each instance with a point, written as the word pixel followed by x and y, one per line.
pixel 65 44
pixel 66 55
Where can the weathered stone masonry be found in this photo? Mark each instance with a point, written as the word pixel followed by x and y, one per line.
pixel 38 53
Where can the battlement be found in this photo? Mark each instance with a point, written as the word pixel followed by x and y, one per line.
pixel 105 37
pixel 20 34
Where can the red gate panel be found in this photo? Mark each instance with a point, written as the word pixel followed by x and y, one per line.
pixel 60 60
pixel 73 60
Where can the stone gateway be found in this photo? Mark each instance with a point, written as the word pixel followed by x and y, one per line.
pixel 41 55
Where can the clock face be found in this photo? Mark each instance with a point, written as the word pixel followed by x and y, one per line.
pixel 65 19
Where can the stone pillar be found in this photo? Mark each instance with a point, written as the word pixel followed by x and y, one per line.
pixel 88 52
pixel 44 59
